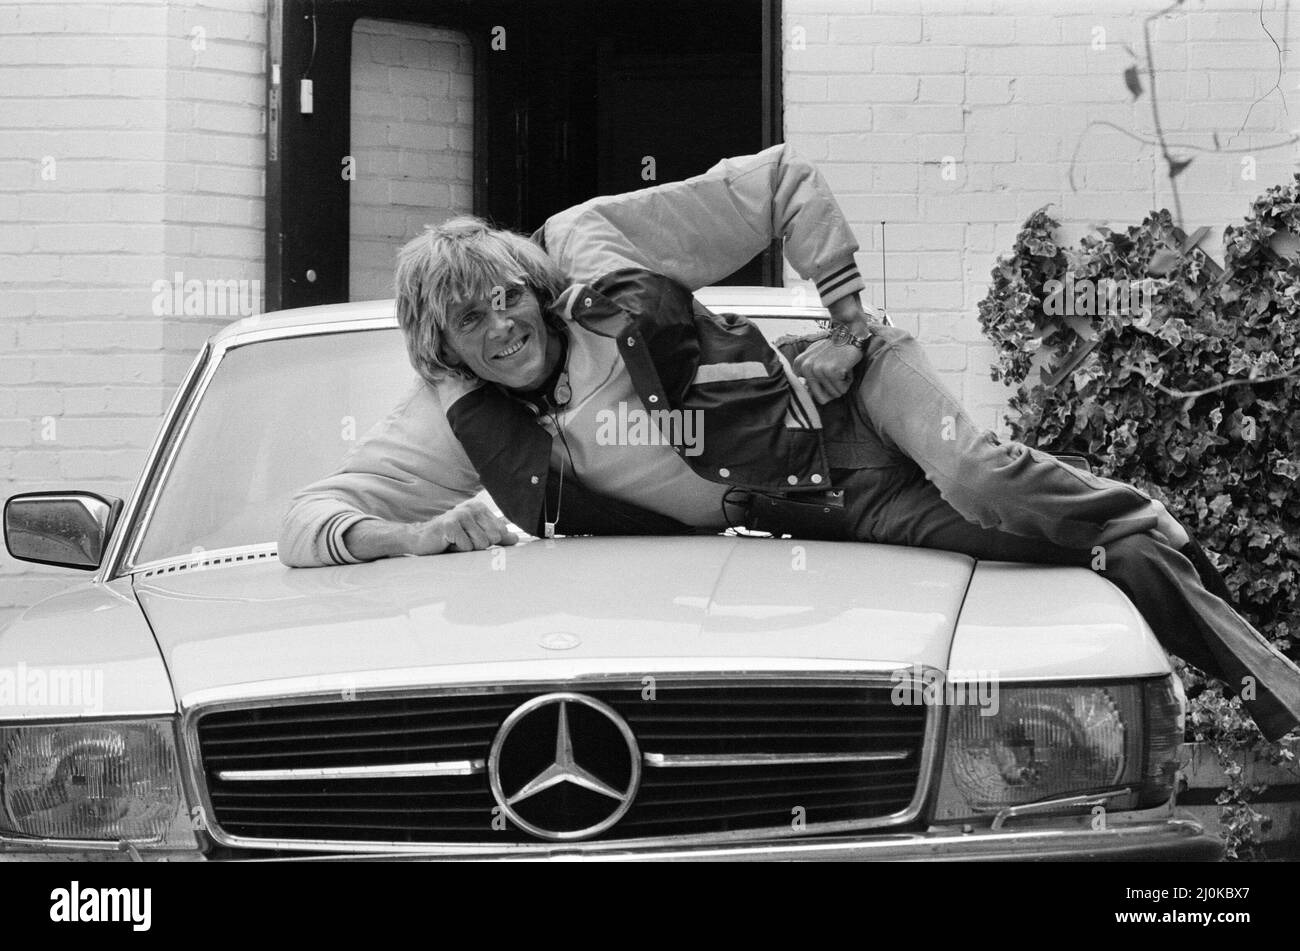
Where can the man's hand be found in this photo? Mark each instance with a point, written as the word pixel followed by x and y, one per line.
pixel 469 526
pixel 826 369
pixel 1168 526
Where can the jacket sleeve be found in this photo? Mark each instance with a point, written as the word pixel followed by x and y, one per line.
pixel 699 230
pixel 408 468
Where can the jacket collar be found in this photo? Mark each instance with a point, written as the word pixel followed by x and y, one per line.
pixel 554 392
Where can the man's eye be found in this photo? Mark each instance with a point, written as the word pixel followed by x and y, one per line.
pixel 513 294
pixel 467 320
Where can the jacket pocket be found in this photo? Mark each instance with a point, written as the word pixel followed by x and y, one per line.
pixel 851 442
pixel 857 455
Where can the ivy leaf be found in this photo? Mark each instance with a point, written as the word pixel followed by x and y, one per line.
pixel 1132 82
pixel 1041 361
pixel 1162 262
pixel 1284 243
pixel 1072 360
pixel 1176 167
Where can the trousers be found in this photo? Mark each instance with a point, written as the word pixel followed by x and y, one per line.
pixel 917 471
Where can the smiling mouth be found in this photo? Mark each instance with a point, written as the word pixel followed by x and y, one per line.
pixel 511 350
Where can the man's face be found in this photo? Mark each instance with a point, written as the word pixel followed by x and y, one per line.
pixel 508 343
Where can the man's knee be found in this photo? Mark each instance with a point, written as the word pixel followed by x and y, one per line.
pixel 1133 556
pixel 891 336
pixel 892 351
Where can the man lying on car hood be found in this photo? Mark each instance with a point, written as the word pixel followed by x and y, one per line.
pixel 527 349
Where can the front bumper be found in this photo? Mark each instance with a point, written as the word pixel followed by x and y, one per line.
pixel 1164 840
pixel 1173 839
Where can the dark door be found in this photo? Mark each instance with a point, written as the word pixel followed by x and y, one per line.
pixel 572 98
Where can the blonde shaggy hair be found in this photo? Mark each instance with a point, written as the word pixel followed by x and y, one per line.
pixel 461 260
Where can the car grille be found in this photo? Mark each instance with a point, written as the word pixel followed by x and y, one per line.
pixel 865 752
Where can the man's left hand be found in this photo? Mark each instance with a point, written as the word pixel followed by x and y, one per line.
pixel 1168 526
pixel 826 369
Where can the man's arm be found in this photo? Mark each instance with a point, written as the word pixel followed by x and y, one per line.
pixel 407 488
pixel 699 230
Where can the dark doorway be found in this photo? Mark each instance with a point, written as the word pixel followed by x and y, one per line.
pixel 585 98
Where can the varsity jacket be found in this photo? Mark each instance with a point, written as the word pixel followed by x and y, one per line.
pixel 634 260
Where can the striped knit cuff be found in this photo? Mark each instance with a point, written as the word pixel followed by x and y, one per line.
pixel 840 281
pixel 333 535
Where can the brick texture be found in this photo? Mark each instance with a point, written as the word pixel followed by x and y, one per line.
pixel 132 152
pixel 412 123
pixel 889 95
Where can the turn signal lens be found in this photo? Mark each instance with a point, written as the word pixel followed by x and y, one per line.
pixel 1165 703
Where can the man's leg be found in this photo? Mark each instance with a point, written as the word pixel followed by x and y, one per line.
pixel 996 484
pixel 1003 501
pixel 1210 576
pixel 1162 583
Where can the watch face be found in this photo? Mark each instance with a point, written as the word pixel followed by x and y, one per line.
pixel 842 337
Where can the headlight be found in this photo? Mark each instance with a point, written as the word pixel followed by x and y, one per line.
pixel 1053 741
pixel 93 781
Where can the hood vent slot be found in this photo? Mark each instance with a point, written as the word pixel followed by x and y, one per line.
pixel 200 561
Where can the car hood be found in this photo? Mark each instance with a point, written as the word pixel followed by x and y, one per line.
pixel 547 610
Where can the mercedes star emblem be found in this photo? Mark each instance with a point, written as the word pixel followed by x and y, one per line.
pixel 556 790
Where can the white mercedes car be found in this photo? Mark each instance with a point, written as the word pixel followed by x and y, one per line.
pixel 707 697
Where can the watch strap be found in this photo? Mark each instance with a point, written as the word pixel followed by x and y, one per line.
pixel 842 336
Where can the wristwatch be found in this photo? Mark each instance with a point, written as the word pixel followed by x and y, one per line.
pixel 842 337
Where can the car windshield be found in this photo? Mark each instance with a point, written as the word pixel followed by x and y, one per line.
pixel 277 416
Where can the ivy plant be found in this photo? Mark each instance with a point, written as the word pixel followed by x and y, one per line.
pixel 1193 396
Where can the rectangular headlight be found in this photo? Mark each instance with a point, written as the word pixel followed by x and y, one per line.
pixel 1045 742
pixel 94 780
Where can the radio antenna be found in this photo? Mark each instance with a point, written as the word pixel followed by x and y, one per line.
pixel 884 278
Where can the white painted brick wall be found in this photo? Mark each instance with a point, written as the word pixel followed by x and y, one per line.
pixel 159 151
pixel 412 129
pixel 882 90
pixel 158 155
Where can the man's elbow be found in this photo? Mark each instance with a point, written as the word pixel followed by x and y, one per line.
pixel 295 543
pixel 293 559
pixel 292 555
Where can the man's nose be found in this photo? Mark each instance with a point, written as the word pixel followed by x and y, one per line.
pixel 499 323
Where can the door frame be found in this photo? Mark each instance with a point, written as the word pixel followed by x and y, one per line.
pixel 307 200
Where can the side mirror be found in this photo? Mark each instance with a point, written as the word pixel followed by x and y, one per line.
pixel 65 529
